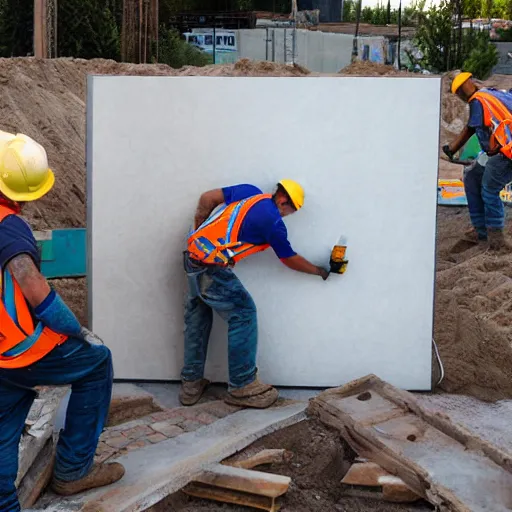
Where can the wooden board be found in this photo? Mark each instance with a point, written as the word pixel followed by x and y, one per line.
pixel 440 461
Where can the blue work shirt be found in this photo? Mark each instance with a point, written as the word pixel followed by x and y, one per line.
pixel 263 223
pixel 476 115
pixel 16 238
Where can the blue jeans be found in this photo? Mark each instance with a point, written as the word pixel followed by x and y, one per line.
pixel 483 186
pixel 88 368
pixel 218 289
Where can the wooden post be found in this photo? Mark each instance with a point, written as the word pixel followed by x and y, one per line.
pixel 39 32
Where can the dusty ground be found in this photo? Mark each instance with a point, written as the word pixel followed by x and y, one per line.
pixel 320 461
pixel 46 100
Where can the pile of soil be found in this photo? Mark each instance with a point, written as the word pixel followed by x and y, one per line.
pixel 320 460
pixel 46 100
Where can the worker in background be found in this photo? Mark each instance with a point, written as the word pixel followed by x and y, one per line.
pixel 247 222
pixel 490 118
pixel 41 341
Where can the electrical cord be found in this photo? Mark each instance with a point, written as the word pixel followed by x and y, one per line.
pixel 439 362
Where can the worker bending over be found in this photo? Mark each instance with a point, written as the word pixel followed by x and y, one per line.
pixel 491 118
pixel 41 341
pixel 248 222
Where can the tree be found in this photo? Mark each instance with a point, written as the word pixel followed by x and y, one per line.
pixel 388 13
pixel 16 28
pixel 177 53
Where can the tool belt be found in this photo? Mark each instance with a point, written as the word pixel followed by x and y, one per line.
pixel 201 264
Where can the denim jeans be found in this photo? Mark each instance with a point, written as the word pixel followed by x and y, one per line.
pixel 218 289
pixel 88 368
pixel 483 186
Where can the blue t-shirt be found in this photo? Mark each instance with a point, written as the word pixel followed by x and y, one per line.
pixel 476 115
pixel 263 223
pixel 16 238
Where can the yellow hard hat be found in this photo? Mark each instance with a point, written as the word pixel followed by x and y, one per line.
pixel 460 79
pixel 24 171
pixel 294 191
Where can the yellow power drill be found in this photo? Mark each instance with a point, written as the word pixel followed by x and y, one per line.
pixel 338 263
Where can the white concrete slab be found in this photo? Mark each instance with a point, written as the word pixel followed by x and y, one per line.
pixel 155 144
pixel 158 470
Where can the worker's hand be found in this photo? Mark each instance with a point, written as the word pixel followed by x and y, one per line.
pixel 323 273
pixel 448 152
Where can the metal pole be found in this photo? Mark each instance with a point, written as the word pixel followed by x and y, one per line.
pixel 266 44
pixel 214 40
pixel 354 44
pixel 284 47
pixel 399 32
pixel 274 45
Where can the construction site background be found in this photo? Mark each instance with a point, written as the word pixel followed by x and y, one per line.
pixel 473 328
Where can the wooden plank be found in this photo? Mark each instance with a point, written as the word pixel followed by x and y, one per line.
pixel 245 480
pixel 388 487
pixel 38 476
pixel 266 456
pixel 437 459
pixel 230 496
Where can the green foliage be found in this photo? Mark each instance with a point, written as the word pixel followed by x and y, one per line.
pixel 16 27
pixel 445 47
pixel 177 53
pixel 482 57
pixel 87 29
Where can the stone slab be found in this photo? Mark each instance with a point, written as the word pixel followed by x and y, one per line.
pixel 155 471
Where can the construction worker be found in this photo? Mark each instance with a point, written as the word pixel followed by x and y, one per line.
pixel 490 118
pixel 41 341
pixel 247 221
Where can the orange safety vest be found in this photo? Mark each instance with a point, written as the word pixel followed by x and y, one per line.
pixel 21 343
pixel 498 119
pixel 216 241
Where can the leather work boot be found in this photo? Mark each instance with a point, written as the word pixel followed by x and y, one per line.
pixel 497 241
pixel 256 394
pixel 191 391
pixel 468 240
pixel 100 475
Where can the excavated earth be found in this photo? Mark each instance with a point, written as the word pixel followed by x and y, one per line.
pixel 473 323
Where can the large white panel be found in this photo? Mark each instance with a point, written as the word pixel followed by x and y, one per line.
pixel 366 151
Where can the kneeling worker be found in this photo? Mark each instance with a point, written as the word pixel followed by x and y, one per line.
pixel 41 341
pixel 248 222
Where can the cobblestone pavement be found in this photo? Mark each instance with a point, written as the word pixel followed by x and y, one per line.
pixel 157 427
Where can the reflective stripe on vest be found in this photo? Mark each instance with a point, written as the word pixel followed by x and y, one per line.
pixel 21 344
pixel 216 241
pixel 498 118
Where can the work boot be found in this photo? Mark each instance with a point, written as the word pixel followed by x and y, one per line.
pixel 191 391
pixel 256 394
pixel 100 475
pixel 497 241
pixel 469 239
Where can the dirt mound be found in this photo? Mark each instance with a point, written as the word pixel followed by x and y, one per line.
pixel 46 100
pixel 366 68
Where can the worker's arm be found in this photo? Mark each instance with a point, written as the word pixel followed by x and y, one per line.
pixel 48 307
pixel 459 142
pixel 301 264
pixel 207 203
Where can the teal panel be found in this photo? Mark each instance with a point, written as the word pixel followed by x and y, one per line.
pixel 471 149
pixel 64 254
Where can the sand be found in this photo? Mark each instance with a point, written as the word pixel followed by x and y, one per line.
pixel 473 325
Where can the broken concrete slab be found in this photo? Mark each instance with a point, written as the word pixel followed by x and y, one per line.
pixel 38 476
pixel 490 421
pixel 244 480
pixel 155 471
pixel 39 427
pixel 441 461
